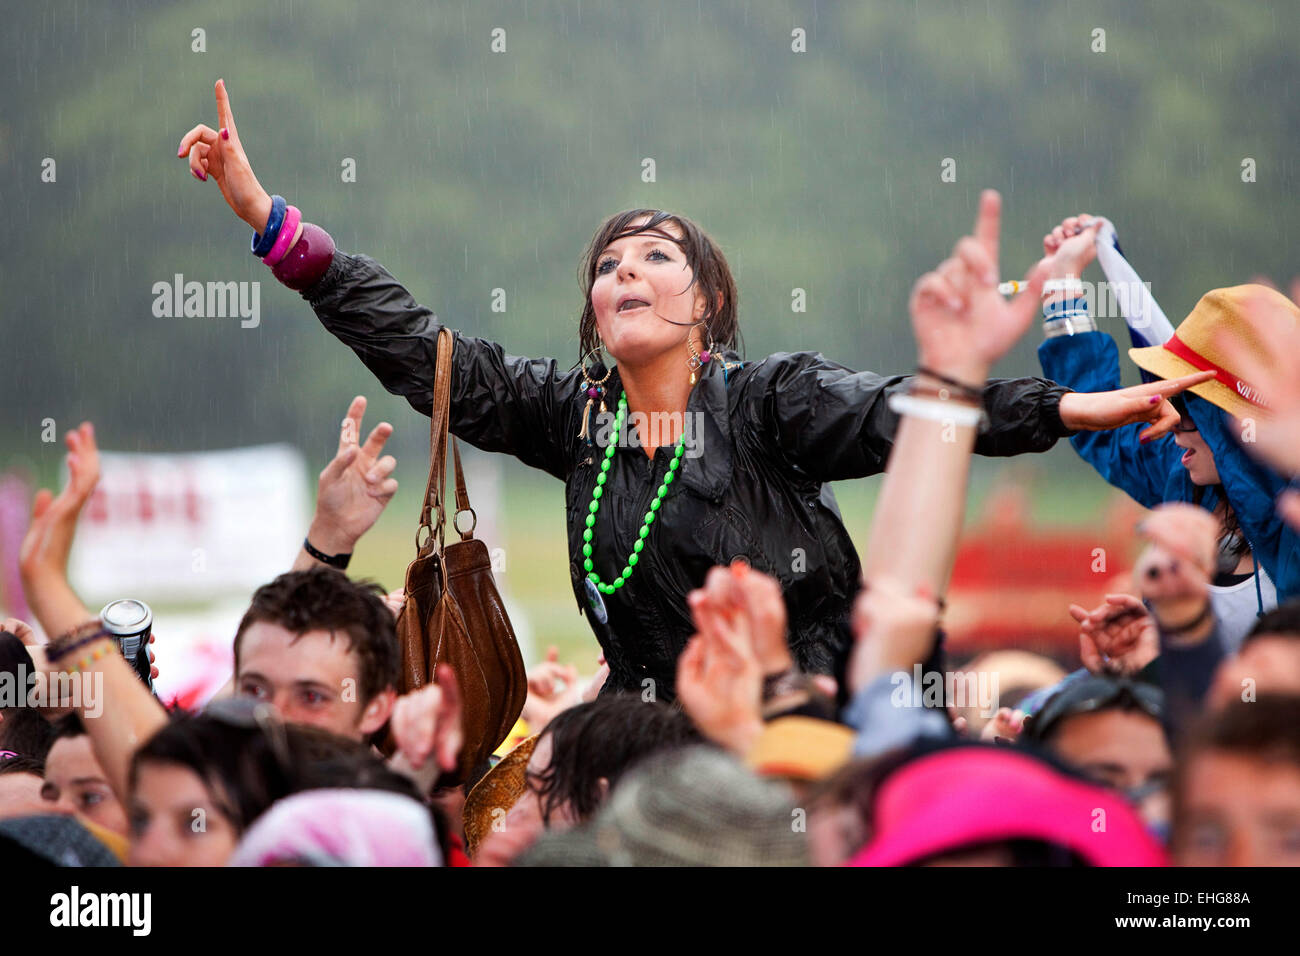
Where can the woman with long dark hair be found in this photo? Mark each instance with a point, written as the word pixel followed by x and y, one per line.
pixel 646 521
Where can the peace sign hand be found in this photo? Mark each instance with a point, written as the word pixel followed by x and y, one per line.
pixel 355 487
pixel 221 156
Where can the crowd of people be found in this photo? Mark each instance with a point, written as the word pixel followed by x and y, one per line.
pixel 749 709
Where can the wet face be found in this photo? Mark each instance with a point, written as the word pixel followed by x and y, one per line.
pixel 75 783
pixel 176 821
pixel 1239 810
pixel 642 285
pixel 1123 749
pixel 312 679
pixel 1197 457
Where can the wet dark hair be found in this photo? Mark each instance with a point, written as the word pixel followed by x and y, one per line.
pixel 603 740
pixel 709 266
pixel 67 727
pixel 1283 620
pixel 24 731
pixel 22 764
pixel 246 771
pixel 323 599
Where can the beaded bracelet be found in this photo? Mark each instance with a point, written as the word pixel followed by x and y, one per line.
pixel 97 654
pixel 262 243
pixel 79 636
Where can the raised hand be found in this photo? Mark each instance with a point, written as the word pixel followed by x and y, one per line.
pixel 1102 411
pixel 1071 246
pixel 220 154
pixel 43 554
pixel 961 322
pixel 892 629
pixel 427 722
pixel 552 688
pixel 1118 637
pixel 719 682
pixel 1174 572
pixel 355 487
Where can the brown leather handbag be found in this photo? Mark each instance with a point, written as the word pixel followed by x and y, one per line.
pixel 453 612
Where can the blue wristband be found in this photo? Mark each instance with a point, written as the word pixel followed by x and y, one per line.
pixel 262 244
pixel 1072 306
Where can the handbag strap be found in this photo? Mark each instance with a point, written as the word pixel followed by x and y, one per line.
pixel 435 491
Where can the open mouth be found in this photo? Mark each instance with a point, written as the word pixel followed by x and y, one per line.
pixel 1187 456
pixel 631 305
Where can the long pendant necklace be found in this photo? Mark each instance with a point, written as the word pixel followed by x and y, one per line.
pixel 599 490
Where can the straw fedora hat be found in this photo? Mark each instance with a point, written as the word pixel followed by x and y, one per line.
pixel 801 748
pixel 1192 348
pixel 498 790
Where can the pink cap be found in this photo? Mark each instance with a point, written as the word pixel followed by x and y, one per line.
pixel 965 796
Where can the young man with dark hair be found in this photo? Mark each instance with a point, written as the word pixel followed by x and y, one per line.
pixel 1111 730
pixel 322 650
pixel 1237 791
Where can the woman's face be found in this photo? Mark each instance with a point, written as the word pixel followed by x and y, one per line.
pixel 175 820
pixel 1197 459
pixel 652 269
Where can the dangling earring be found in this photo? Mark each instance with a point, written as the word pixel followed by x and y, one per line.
pixel 699 358
pixel 595 388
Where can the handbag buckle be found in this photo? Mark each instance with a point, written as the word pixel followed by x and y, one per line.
pixel 455 522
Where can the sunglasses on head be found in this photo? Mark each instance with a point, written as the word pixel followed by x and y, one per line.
pixel 1093 694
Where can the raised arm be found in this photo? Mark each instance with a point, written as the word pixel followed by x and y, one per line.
pixel 524 407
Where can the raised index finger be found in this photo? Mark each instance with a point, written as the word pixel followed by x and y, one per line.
pixel 223 108
pixel 988 223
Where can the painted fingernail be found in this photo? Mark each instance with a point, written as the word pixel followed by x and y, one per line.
pixel 180 150
pixel 196 175
pixel 1155 400
pixel 225 133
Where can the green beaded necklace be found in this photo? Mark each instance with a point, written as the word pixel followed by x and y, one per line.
pixel 599 490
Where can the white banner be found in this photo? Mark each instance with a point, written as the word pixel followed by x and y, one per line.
pixel 190 527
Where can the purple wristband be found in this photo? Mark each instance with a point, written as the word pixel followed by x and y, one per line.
pixel 292 216
pixel 308 260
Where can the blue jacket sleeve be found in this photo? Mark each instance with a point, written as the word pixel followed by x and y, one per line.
pixel 1252 490
pixel 1089 362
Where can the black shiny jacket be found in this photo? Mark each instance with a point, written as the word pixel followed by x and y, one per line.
pixel 767 437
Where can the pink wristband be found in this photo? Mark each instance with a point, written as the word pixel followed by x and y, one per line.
pixel 308 260
pixel 285 239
